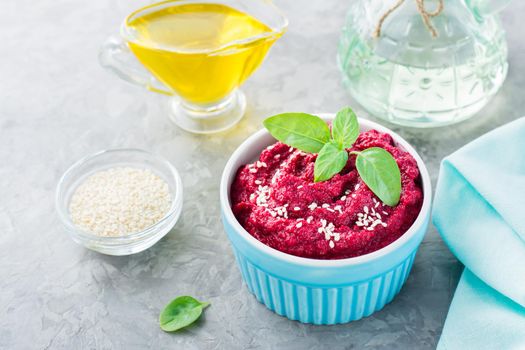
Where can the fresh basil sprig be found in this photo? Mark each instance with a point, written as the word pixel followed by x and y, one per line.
pixel 180 313
pixel 309 133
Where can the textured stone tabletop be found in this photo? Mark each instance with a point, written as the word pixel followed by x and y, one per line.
pixel 57 105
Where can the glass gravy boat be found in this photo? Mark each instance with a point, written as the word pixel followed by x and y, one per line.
pixel 197 51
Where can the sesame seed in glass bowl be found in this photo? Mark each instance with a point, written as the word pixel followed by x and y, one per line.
pixel 119 202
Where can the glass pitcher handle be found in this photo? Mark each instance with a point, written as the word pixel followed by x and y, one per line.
pixel 116 56
pixel 486 7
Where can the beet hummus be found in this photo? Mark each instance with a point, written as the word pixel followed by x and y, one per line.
pixel 277 202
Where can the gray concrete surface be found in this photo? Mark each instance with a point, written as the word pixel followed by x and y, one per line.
pixel 57 105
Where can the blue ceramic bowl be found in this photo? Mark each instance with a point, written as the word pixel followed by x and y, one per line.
pixel 321 291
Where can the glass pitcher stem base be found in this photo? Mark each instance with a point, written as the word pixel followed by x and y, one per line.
pixel 209 119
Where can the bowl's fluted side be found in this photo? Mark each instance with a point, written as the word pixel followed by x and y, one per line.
pixel 324 306
pixel 329 302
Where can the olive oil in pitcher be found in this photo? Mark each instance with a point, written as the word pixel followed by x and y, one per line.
pixel 201 51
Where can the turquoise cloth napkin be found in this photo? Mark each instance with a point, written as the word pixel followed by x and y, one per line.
pixel 479 210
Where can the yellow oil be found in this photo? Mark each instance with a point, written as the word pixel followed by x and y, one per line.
pixel 194 50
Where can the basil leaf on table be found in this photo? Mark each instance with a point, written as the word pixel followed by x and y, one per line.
pixel 380 172
pixel 345 128
pixel 299 130
pixel 181 312
pixel 330 161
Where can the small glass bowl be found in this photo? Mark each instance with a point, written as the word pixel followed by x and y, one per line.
pixel 103 160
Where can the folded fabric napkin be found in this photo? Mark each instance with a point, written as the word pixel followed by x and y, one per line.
pixel 479 211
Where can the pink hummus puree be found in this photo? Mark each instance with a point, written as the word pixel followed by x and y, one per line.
pixel 277 202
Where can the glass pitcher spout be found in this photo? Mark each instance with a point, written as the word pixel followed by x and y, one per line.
pixel 274 21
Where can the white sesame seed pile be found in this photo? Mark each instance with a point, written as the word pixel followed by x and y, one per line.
pixel 261 196
pixel 252 168
pixel 281 211
pixel 120 201
pixel 369 218
pixel 327 228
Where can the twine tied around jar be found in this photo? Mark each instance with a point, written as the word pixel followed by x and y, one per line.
pixel 425 15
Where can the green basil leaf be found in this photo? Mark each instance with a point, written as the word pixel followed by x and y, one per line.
pixel 345 128
pixel 300 130
pixel 380 172
pixel 181 312
pixel 330 161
